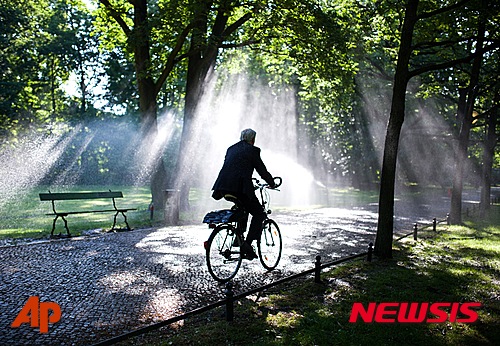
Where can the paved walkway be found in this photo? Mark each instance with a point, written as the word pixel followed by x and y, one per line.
pixel 112 283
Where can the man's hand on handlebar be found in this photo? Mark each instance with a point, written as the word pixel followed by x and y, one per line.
pixel 276 183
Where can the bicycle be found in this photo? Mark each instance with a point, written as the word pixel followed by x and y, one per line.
pixel 223 253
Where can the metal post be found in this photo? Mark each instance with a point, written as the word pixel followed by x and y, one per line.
pixel 415 230
pixel 151 210
pixel 317 270
pixel 434 223
pixel 370 252
pixel 229 302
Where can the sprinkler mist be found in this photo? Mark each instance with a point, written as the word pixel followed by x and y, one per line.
pixel 238 103
pixel 25 165
pixel 72 157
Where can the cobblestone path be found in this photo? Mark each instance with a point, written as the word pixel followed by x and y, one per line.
pixel 112 283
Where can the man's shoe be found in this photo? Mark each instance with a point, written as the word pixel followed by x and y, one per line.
pixel 247 251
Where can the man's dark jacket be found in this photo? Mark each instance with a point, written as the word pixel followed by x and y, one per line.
pixel 236 173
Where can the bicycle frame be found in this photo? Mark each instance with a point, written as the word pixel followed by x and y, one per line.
pixel 222 260
pixel 265 199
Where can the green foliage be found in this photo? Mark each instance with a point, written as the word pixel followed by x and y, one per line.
pixel 18 60
pixel 338 56
pixel 43 43
pixel 121 83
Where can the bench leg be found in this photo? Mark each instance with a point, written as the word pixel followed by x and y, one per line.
pixel 124 217
pixel 66 226
pixel 54 225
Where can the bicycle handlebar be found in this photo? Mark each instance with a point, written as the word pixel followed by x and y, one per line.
pixel 276 185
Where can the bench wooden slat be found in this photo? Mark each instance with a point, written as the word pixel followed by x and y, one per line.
pixel 92 211
pixel 62 196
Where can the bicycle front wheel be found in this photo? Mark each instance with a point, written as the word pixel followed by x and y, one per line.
pixel 269 245
pixel 223 253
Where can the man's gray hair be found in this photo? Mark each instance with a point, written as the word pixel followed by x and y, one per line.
pixel 248 135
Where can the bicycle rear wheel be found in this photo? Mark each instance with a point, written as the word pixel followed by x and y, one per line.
pixel 269 245
pixel 222 254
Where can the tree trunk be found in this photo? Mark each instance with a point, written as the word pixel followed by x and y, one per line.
pixel 465 127
pixel 185 162
pixel 488 154
pixel 202 55
pixel 383 242
pixel 139 39
pixel 460 157
pixel 461 160
pixel 366 164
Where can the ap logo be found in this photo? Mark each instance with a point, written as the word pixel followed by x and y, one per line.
pixel 38 314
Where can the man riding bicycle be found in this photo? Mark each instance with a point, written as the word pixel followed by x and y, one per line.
pixel 235 179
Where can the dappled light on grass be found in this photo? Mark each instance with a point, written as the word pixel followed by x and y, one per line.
pixel 288 319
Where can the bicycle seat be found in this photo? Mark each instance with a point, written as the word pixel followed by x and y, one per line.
pixel 232 198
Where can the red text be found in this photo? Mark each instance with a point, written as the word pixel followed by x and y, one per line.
pixel 414 312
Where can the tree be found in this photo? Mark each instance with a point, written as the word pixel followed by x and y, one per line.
pixel 383 242
pixel 191 31
pixel 85 46
pixel 425 48
pixel 14 74
pixel 211 31
pixel 465 116
pixel 37 56
pixel 490 143
pixel 136 24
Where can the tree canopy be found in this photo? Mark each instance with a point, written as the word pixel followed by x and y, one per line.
pixel 130 62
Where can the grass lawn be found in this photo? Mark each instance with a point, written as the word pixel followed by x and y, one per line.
pixel 24 216
pixel 455 264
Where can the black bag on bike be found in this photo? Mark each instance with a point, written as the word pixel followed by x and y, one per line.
pixel 223 216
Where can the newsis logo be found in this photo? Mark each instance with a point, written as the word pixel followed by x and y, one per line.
pixel 38 314
pixel 414 312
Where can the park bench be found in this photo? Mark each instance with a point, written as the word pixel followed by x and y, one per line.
pixel 67 196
